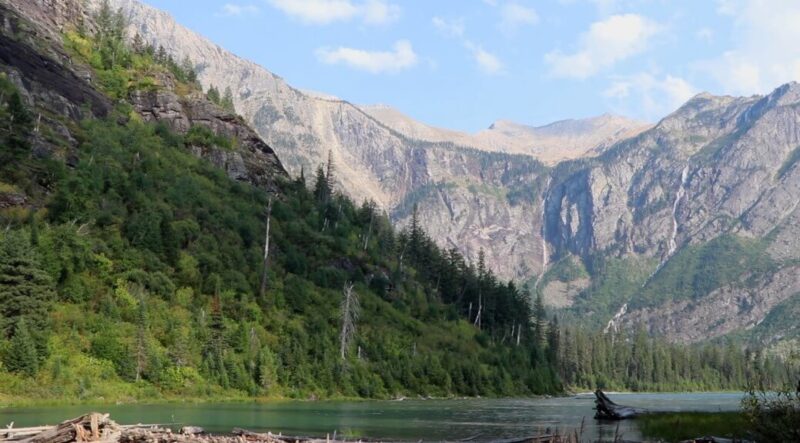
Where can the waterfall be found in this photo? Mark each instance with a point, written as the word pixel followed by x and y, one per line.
pixel 545 255
pixel 613 324
pixel 672 245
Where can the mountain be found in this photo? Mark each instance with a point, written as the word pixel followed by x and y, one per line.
pixel 687 228
pixel 470 199
pixel 550 144
pixel 702 211
pixel 154 246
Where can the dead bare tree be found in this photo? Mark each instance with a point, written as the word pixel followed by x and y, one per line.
pixel 141 332
pixel 264 280
pixel 349 312
pixel 369 228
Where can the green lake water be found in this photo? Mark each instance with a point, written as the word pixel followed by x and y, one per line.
pixel 413 420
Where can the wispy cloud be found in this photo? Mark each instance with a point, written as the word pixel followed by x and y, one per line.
pixel 450 28
pixel 606 43
pixel 654 96
pixel 515 15
pixel 765 51
pixel 236 10
pixel 486 61
pixel 322 12
pixel 401 57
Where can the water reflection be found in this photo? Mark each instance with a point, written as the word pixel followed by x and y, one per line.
pixel 407 420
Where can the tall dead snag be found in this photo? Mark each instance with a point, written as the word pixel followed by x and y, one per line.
pixel 141 333
pixel 263 290
pixel 349 313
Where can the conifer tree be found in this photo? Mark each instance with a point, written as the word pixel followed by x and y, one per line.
pixel 22 355
pixel 322 190
pixel 539 321
pixel 213 94
pixel 227 100
pixel 25 288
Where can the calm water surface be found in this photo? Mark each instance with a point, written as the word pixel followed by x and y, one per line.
pixel 414 420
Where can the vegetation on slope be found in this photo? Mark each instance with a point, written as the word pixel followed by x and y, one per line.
pixel 143 266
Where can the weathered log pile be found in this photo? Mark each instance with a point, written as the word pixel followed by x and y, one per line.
pixel 99 428
pixel 608 410
pixel 94 427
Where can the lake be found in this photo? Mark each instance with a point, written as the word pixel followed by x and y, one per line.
pixel 484 419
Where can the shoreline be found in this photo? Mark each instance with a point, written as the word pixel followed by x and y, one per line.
pixel 20 403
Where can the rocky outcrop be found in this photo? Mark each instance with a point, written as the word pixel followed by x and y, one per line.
pixel 249 159
pixel 46 77
pixel 62 90
pixel 10 199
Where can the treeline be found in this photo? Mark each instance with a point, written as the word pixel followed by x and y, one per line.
pixel 639 362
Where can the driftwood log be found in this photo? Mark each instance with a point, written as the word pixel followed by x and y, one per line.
pixel 608 410
pixel 94 427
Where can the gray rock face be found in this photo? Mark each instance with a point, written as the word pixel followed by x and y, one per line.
pixel 251 160
pixel 462 193
pixel 717 165
pixel 60 89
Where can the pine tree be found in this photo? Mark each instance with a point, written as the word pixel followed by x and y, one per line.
pixel 17 130
pixel 322 190
pixel 227 100
pixel 22 356
pixel 539 321
pixel 161 55
pixel 25 289
pixel 187 68
pixel 553 341
pixel 213 94
pixel 138 45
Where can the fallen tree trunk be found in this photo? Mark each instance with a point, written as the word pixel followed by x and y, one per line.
pixel 608 410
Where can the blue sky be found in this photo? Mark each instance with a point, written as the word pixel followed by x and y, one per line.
pixel 463 64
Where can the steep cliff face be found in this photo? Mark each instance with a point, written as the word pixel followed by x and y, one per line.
pixel 469 208
pixel 689 227
pixel 718 166
pixel 63 91
pixel 250 160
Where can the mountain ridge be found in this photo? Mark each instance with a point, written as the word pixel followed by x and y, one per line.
pixel 659 197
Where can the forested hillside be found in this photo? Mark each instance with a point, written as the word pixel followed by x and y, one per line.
pixel 143 267
pixel 133 266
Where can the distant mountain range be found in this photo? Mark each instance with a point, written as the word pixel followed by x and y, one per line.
pixel 689 227
pixel 550 144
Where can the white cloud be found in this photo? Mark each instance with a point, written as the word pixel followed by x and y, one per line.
pixel 450 28
pixel 766 51
pixel 234 10
pixel 377 12
pixel 606 43
pixel 401 57
pixel 515 15
pixel 487 62
pixel 322 12
pixel 653 96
